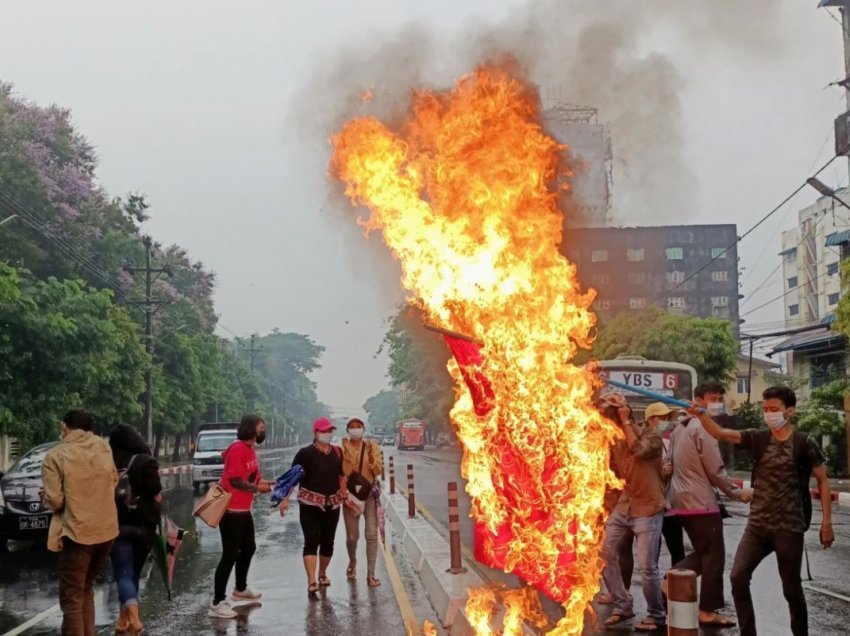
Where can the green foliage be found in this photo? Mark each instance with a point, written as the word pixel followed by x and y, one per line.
pixel 707 344
pixel 418 359
pixel 383 409
pixel 63 344
pixel 842 310
pixel 823 413
pixel 777 378
pixel 748 415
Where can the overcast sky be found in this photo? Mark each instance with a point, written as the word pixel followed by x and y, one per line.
pixel 201 105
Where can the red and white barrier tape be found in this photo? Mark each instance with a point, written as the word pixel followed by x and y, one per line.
pixel 176 470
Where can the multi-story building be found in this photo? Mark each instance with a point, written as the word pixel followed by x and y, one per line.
pixel 669 266
pixel 811 255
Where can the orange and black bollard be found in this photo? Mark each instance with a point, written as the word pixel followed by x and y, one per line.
pixel 411 497
pixel 454 532
pixel 682 608
pixel 392 476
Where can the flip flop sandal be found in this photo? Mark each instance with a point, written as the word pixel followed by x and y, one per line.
pixel 324 581
pixel 719 621
pixel 648 625
pixel 617 618
pixel 371 581
pixel 351 573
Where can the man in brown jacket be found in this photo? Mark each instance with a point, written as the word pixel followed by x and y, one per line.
pixel 79 480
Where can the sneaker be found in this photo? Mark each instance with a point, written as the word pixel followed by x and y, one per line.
pixel 245 595
pixel 222 610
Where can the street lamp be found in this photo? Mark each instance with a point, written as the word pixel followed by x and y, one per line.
pixel 9 218
pixel 825 190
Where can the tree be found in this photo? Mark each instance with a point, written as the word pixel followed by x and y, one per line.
pixel 707 344
pixel 382 409
pixel 418 359
pixel 64 345
pixel 823 415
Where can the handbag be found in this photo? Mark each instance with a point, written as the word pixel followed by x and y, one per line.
pixel 212 506
pixel 356 483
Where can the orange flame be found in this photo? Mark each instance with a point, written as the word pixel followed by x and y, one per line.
pixel 462 193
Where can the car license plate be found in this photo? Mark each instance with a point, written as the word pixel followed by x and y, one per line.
pixel 38 522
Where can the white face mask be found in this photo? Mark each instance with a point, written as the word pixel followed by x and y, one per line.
pixel 324 438
pixel 775 419
pixel 356 433
pixel 715 408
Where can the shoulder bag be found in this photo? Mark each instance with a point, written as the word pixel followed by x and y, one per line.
pixel 357 484
pixel 212 506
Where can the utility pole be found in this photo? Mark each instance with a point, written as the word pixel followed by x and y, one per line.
pixel 148 303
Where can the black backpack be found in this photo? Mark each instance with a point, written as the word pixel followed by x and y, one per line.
pixel 124 494
pixel 802 461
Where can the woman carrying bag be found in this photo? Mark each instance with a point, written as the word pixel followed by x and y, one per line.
pixel 362 465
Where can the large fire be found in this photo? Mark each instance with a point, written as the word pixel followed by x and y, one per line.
pixel 462 192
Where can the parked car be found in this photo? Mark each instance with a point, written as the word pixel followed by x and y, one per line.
pixel 387 440
pixel 22 515
pixel 207 460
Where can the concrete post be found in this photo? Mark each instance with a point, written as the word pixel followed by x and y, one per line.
pixel 392 476
pixel 682 608
pixel 411 497
pixel 454 532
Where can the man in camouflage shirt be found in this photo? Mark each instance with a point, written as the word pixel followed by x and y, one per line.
pixel 780 512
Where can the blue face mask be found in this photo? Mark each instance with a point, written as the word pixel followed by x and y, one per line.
pixel 775 419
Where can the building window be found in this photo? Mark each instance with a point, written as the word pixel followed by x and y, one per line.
pixel 635 256
pixel 832 269
pixel 676 302
pixel 720 276
pixel 720 312
pixel 791 255
pixel 675 277
pixel 793 310
pixel 718 252
pixel 601 279
pixel 674 253
pixel 602 304
pixel 720 301
pixel 792 282
pixel 637 303
pixel 637 278
pixel 743 385
pixel 599 256
pixel 833 299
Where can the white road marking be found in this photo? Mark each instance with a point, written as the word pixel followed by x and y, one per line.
pixel 35 620
pixel 820 590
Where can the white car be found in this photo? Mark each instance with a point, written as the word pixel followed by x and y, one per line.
pixel 207 460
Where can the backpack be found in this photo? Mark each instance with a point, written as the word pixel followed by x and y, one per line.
pixel 802 461
pixel 124 490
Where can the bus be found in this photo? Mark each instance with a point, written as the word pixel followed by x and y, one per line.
pixel 411 435
pixel 671 379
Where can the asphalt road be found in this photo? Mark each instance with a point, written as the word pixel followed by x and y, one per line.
pixel 28 583
pixel 829 614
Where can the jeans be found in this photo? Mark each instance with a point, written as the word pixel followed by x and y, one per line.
pixel 352 533
pixel 237 548
pixel 319 528
pixel 79 565
pixel 707 559
pixel 129 553
pixel 755 545
pixel 647 531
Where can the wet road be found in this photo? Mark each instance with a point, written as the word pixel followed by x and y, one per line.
pixel 28 583
pixel 828 613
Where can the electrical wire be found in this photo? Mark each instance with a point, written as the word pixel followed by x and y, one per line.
pixel 745 234
pixel 773 300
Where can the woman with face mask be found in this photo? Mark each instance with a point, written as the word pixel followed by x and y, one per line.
pixel 361 457
pixel 321 493
pixel 242 479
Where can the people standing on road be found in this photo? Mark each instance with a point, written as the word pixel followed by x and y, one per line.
pixel 781 507
pixel 137 499
pixel 697 471
pixel 79 479
pixel 671 527
pixel 320 494
pixel 241 477
pixel 361 457
pixel 639 511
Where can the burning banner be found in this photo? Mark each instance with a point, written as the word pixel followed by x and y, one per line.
pixel 462 194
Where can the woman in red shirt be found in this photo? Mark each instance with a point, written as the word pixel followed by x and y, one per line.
pixel 241 477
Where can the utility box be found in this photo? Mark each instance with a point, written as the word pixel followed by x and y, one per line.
pixel 842 135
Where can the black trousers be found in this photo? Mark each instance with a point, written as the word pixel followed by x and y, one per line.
pixel 237 548
pixel 755 545
pixel 674 537
pixel 707 559
pixel 319 528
